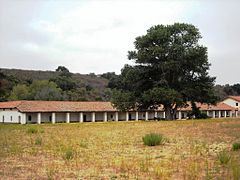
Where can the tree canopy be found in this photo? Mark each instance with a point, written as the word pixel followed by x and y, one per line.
pixel 171 68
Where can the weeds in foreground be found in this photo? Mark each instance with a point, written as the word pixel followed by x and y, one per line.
pixel 32 130
pixel 51 171
pixel 224 157
pixel 68 154
pixel 153 139
pixel 235 146
pixel 38 141
pixel 235 167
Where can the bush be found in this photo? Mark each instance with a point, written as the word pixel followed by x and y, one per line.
pixel 38 141
pixel 153 139
pixel 236 146
pixel 224 157
pixel 68 155
pixel 197 113
pixel 202 116
pixel 32 130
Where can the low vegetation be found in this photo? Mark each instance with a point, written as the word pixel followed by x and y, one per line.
pixel 153 139
pixel 38 141
pixel 68 154
pixel 200 149
pixel 224 157
pixel 236 146
pixel 32 130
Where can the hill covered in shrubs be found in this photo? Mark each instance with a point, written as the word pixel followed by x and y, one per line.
pixel 61 84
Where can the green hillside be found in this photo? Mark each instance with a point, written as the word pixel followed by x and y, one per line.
pixel 87 87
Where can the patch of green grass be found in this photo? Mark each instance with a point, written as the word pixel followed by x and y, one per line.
pixel 153 139
pixel 235 146
pixel 224 157
pixel 38 141
pixel 32 130
pixel 68 154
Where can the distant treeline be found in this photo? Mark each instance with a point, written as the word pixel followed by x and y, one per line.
pixel 61 84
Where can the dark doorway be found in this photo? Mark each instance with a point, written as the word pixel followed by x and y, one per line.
pixel 130 117
pixel 84 118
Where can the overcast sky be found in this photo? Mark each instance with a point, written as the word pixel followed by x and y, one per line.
pixel 94 35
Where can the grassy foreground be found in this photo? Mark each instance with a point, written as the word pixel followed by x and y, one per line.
pixel 193 149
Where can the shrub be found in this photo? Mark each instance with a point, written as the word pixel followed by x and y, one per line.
pixel 32 130
pixel 224 157
pixel 38 141
pixel 153 139
pixel 197 113
pixel 236 146
pixel 68 155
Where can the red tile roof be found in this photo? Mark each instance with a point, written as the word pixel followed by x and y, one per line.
pixel 204 107
pixel 10 104
pixel 57 106
pixel 236 98
pixel 73 106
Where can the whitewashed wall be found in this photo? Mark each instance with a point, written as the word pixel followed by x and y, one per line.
pixel 74 117
pixel 111 116
pixel 88 117
pixel 60 117
pixel 99 116
pixel 31 117
pixel 10 116
pixel 231 102
pixel 121 116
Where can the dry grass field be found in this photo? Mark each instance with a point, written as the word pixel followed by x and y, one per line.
pixel 193 149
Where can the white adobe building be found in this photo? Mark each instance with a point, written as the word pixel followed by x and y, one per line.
pixel 233 101
pixel 24 112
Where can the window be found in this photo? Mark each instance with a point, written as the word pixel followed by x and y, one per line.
pixel 236 104
pixel 111 116
pixel 3 118
pixel 50 118
pixel 19 119
pixel 11 118
pixel 29 118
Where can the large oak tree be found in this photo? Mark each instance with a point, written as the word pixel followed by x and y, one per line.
pixel 170 69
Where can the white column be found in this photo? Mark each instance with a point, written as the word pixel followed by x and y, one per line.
pixel 39 118
pixel 105 116
pixel 156 114
pixel 127 116
pixel 146 116
pixel 213 114
pixel 67 117
pixel 53 118
pixel 136 116
pixel 236 112
pixel 225 114
pixel 230 113
pixel 179 115
pixel 116 116
pixel 207 113
pixel 24 120
pixel 93 116
pixel 80 117
pixel 164 114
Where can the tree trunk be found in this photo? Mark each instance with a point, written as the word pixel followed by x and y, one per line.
pixel 169 113
pixel 174 112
